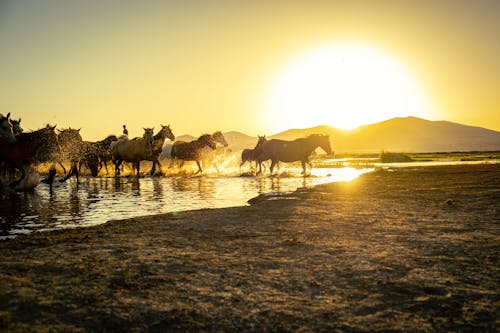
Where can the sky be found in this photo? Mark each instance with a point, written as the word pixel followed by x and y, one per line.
pixel 202 66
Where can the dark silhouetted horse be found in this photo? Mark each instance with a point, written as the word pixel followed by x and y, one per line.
pixel 291 151
pixel 72 147
pixel 249 155
pixel 192 151
pixel 30 148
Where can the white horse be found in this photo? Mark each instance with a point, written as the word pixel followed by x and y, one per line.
pixel 135 150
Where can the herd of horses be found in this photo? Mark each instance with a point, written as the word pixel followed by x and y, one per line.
pixel 21 152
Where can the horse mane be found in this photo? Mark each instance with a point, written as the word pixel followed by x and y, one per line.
pixel 204 136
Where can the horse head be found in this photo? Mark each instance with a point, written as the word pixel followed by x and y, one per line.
pixel 6 129
pixel 167 132
pixel 16 126
pixel 148 135
pixel 219 138
pixel 261 140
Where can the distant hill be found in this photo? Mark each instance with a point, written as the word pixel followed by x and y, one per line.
pixel 408 134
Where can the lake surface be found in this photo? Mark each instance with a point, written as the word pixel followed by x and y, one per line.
pixel 97 200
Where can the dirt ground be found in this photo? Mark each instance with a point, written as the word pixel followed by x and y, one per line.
pixel 415 249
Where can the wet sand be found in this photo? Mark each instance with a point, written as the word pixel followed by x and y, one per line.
pixel 416 249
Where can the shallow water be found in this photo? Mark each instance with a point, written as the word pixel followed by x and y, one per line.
pixel 98 200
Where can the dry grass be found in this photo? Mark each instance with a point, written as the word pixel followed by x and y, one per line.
pixel 409 250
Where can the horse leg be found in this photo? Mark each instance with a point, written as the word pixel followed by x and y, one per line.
pixel 138 168
pixel 273 163
pixel 310 165
pixel 199 167
pixel 72 171
pixel 101 165
pixel 105 162
pixel 259 163
pixel 62 166
pixel 77 174
pixel 153 168
pixel 117 167
pixel 50 177
pixel 303 167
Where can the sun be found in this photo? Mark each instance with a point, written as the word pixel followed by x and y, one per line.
pixel 344 85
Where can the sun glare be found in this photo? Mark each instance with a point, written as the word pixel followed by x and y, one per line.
pixel 344 85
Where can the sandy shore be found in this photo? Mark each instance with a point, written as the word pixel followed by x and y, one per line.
pixel 415 249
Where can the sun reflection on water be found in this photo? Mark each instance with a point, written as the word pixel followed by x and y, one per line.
pixel 339 174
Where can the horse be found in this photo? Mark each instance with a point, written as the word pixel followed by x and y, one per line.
pixel 95 154
pixel 103 151
pixel 72 147
pixel 6 130
pixel 30 148
pixel 89 157
pixel 158 141
pixel 291 151
pixel 248 155
pixel 135 150
pixel 8 169
pixel 192 151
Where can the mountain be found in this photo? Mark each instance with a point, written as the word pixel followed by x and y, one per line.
pixel 408 134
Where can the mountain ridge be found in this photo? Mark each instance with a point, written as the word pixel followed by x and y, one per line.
pixel 402 134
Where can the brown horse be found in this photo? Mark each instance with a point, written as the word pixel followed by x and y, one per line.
pixel 248 155
pixel 135 150
pixel 192 151
pixel 72 147
pixel 6 129
pixel 89 157
pixel 291 151
pixel 95 154
pixel 30 148
pixel 158 141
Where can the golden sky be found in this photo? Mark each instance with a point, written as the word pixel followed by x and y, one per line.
pixel 203 66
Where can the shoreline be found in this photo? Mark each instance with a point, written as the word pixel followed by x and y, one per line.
pixel 410 249
pixel 23 214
